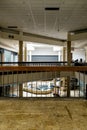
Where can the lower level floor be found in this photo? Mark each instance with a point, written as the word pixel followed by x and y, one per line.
pixel 41 90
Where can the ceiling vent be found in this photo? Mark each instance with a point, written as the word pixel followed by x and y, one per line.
pixel 12 27
pixel 52 8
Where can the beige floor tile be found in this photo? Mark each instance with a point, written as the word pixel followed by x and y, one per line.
pixel 43 114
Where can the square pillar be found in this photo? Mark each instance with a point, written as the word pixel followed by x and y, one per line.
pixel 86 54
pixel 64 54
pixel 69 57
pixel 20 60
pixel 25 53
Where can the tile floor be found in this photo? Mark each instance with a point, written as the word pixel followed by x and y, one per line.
pixel 43 114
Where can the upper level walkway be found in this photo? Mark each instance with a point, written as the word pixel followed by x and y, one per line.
pixel 41 114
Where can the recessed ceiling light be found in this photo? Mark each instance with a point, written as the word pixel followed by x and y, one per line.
pixel 52 8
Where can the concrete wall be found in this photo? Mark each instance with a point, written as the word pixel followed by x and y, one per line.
pixel 44 51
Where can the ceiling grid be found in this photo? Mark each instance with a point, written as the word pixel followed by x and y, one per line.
pixel 30 16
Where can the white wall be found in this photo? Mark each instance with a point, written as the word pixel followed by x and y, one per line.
pixel 78 54
pixel 48 50
pixel 44 51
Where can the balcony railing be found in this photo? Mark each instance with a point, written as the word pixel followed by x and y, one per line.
pixel 42 80
pixel 34 63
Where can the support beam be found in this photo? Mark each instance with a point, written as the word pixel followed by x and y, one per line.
pixel 32 38
pixel 8 44
pixel 79 36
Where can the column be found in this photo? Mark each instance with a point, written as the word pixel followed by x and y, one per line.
pixel 20 60
pixel 69 50
pixel 68 62
pixel 64 54
pixel 20 90
pixel 25 59
pixel 85 54
pixel 2 56
pixel 25 53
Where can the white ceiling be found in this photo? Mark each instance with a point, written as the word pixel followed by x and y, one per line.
pixel 31 16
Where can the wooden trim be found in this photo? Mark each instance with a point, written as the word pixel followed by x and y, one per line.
pixel 43 68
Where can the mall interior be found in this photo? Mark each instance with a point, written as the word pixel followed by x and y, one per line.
pixel 43 65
